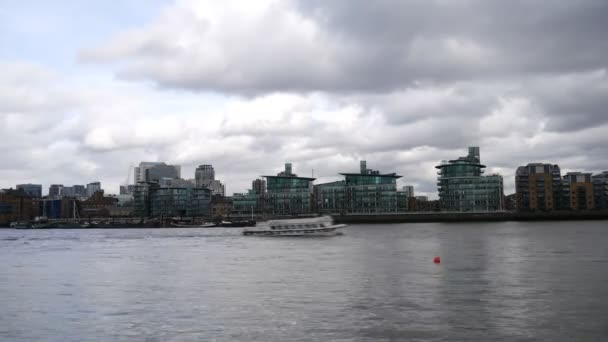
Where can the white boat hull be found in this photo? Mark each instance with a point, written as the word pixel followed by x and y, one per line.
pixel 325 231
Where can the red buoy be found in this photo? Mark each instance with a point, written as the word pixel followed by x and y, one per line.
pixel 437 260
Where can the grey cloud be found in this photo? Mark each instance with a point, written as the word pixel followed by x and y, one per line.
pixel 371 46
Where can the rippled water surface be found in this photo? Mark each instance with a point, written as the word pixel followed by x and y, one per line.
pixel 500 281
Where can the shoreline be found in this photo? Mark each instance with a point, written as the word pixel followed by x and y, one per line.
pixel 414 217
pixel 438 217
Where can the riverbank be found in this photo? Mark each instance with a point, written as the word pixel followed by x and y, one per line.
pixel 471 217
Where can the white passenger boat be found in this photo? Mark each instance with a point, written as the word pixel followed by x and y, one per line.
pixel 314 226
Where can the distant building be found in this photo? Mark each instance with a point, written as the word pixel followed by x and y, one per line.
pixel 288 194
pixel 98 205
pixel 217 188
pixel 600 190
pixel 463 187
pixel 33 190
pixel 93 188
pixel 538 187
pixel 175 183
pixel 408 190
pixel 67 191
pixel 246 204
pixel 150 200
pixel 221 206
pixel 204 176
pixel 80 191
pixel 126 189
pixel 16 205
pixel 139 172
pixel 577 191
pixel 510 202
pixel 55 190
pixel 422 206
pixel 59 208
pixel 422 198
pixel 157 172
pixel 258 186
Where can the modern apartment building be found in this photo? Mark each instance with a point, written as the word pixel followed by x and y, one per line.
pixel 150 200
pixel 538 187
pixel 288 194
pixel 364 192
pixel 369 191
pixel 600 190
pixel 463 186
pixel 577 191
pixel 329 197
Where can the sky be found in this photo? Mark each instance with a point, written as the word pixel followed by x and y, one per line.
pixel 88 89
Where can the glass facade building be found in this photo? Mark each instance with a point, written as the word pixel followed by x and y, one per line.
pixel 288 194
pixel 150 200
pixel 188 202
pixel 245 204
pixel 600 190
pixel 371 192
pixel 329 197
pixel 34 190
pixel 463 187
pixel 366 192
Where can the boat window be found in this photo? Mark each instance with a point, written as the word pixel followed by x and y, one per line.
pixel 322 225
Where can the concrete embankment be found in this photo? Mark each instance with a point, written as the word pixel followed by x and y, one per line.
pixel 471 217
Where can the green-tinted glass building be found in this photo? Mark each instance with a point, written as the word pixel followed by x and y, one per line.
pixel 243 205
pixel 329 197
pixel 365 192
pixel 288 194
pixel 600 190
pixel 188 202
pixel 463 187
pixel 150 200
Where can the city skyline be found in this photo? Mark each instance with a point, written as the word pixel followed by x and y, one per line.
pixel 82 99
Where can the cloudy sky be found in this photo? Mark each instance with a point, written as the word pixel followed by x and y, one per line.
pixel 89 88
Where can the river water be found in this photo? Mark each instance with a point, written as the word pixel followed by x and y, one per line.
pixel 509 281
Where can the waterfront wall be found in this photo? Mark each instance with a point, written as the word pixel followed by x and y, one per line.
pixel 471 217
